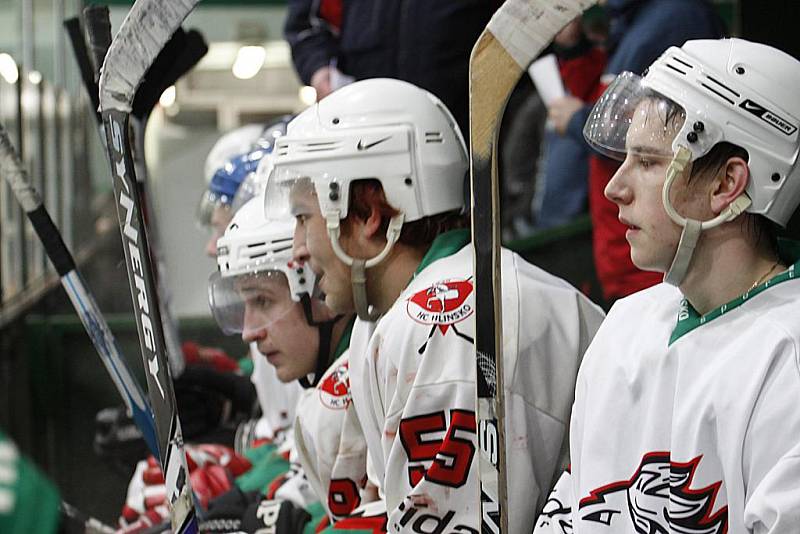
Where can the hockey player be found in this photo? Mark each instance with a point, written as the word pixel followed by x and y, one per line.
pixel 213 209
pixel 233 158
pixel 373 174
pixel 686 414
pixel 230 169
pixel 262 294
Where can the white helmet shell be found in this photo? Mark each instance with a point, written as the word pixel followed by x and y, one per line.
pixel 385 129
pixel 253 244
pixel 743 93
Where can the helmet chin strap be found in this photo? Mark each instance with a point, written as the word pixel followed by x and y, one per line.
pixel 358 267
pixel 691 228
pixel 325 329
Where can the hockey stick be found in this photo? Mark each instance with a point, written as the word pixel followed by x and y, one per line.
pixel 146 29
pixel 179 55
pixel 13 171
pixel 515 35
pixel 78 521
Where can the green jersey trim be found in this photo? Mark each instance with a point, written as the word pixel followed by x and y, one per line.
pixel 246 365
pixel 344 341
pixel 444 245
pixel 689 318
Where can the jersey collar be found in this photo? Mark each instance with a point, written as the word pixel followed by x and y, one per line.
pixel 689 318
pixel 444 245
pixel 344 341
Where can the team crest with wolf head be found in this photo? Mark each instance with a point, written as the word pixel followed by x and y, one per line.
pixel 657 499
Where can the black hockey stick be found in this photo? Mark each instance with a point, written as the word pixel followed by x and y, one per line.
pixel 13 171
pixel 515 35
pixel 147 27
pixel 179 55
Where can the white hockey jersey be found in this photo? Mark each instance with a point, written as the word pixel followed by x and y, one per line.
pixel 329 442
pixel 277 399
pixel 687 424
pixel 414 384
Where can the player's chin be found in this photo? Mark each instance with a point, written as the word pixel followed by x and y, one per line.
pixel 644 260
pixel 284 374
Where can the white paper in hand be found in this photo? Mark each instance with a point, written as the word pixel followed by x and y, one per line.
pixel 547 79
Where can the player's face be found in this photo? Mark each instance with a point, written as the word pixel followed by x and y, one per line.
pixel 636 189
pixel 313 246
pixel 278 327
pixel 220 218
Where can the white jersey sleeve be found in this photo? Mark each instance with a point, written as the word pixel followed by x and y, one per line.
pixel 330 443
pixel 771 456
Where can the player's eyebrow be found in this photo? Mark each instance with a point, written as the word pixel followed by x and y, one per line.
pixel 647 149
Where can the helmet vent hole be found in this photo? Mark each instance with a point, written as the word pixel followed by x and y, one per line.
pixel 682 62
pixel 722 86
pixel 739 70
pixel 719 94
pixel 676 69
pixel 408 181
pixel 335 120
pixel 776 177
pixel 434 137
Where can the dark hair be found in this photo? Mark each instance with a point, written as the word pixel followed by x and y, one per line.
pixel 367 194
pixel 758 226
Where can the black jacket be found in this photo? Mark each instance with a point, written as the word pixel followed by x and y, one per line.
pixel 425 42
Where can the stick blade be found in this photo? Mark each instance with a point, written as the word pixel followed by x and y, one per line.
pixel 146 28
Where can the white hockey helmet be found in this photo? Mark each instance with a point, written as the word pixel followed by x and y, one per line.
pixel 385 129
pixel 382 129
pixel 728 90
pixel 254 248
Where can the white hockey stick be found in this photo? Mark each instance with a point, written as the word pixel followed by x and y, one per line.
pixel 145 30
pixel 515 35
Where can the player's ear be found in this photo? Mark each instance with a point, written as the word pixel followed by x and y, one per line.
pixel 372 224
pixel 730 182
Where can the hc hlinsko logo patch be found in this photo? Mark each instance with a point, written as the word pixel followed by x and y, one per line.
pixel 442 305
pixel 334 390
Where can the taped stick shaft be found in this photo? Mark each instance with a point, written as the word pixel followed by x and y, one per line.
pixel 98 35
pixel 143 34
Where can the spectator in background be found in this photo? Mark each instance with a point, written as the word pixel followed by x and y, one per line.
pixel 640 30
pixel 424 42
pixel 562 190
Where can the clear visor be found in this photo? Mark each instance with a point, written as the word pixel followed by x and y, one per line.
pixel 205 208
pixel 290 194
pixel 251 187
pixel 250 302
pixel 631 118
